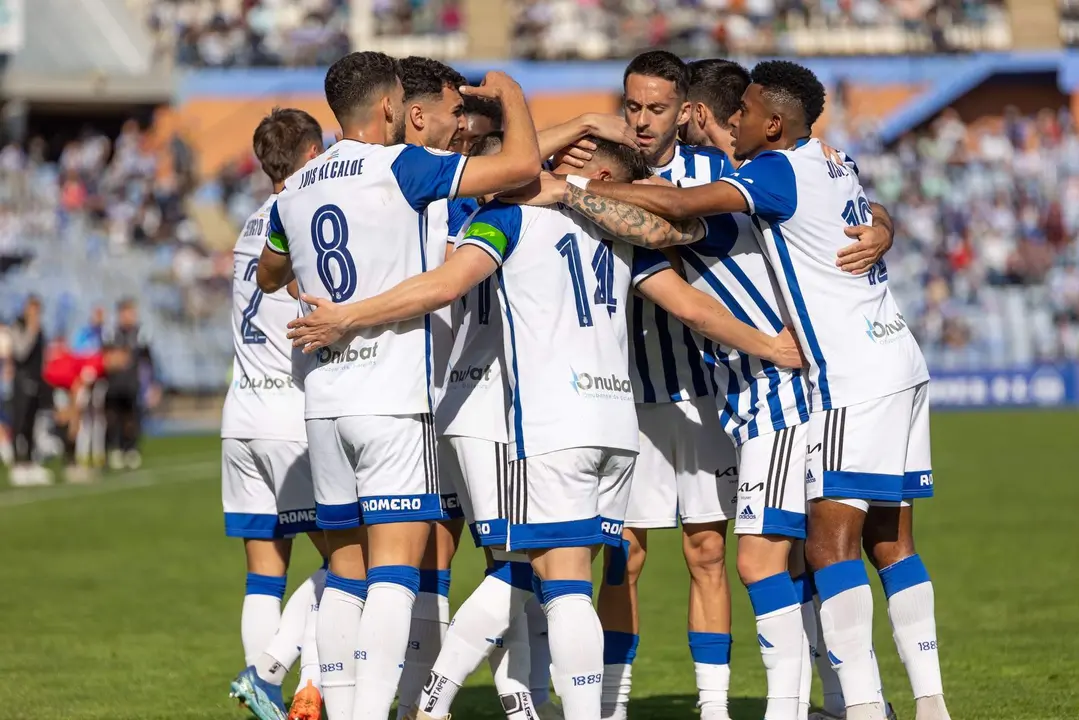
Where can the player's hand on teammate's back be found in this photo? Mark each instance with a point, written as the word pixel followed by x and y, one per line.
pixel 786 352
pixel 871 243
pixel 547 189
pixel 325 326
pixel 495 84
pixel 832 154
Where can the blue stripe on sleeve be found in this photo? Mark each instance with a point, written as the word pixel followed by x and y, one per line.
pixel 425 175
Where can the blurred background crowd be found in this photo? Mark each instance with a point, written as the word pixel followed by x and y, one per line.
pixel 98 208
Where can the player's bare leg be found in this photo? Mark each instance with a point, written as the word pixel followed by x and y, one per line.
pixel 620 619
pixel 764 570
pixel 339 619
pixel 430 614
pixel 393 578
pixel 833 550
pixel 889 542
pixel 704 546
pixel 574 630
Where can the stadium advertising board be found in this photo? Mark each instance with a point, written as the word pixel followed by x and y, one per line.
pixel 1040 386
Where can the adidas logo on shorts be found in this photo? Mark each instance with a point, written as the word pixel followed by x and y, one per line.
pixel 747 514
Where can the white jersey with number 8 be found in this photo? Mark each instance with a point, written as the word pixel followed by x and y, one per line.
pixel 352 222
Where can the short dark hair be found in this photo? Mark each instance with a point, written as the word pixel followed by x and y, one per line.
pixel 281 140
pixel 483 107
pixel 489 144
pixel 793 85
pixel 352 82
pixel 424 77
pixel 660 64
pixel 628 159
pixel 718 85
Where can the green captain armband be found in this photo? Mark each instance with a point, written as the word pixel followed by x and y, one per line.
pixel 278 242
pixel 489 235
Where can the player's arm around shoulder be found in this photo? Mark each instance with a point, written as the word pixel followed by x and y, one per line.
pixel 706 315
pixel 518 162
pixel 485 243
pixel 275 265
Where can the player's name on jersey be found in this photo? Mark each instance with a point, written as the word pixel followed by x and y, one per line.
pixel 331 171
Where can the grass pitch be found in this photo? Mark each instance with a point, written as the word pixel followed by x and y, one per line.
pixel 121 600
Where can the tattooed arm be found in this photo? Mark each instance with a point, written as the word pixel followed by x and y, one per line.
pixel 630 223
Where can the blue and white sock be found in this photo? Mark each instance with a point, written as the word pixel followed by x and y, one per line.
pixel 711 654
pixel 846 618
pixel 510 668
pixel 803 591
pixel 477 628
pixel 284 649
pixel 914 626
pixel 261 613
pixel 339 616
pixel 576 639
pixel 430 618
pixel 383 638
pixel 619 652
pixel 781 640
pixel 539 651
pixel 309 662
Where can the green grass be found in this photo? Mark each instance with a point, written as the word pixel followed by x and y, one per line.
pixel 122 600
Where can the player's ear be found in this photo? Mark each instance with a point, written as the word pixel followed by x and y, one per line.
pixel 774 128
pixel 604 175
pixel 387 109
pixel 683 114
pixel 415 116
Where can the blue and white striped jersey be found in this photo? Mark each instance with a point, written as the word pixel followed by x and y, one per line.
pixel 857 340
pixel 754 397
pixel 665 356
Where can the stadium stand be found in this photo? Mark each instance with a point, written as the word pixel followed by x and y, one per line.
pixel 587 29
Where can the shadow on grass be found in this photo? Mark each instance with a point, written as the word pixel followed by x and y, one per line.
pixel 481 703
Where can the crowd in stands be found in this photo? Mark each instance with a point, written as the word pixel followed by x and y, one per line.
pixel 987 215
pixel 250 33
pixel 592 29
pixel 417 17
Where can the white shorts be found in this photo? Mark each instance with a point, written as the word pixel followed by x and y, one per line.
pixel 872 452
pixel 568 498
pixel 266 489
pixel 479 469
pixel 687 467
pixel 373 469
pixel 772 484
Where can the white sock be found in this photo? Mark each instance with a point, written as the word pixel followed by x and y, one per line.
pixel 339 616
pixel 287 643
pixel 619 652
pixel 510 668
pixel 477 628
pixel 914 625
pixel 430 618
pixel 539 674
pixel 309 663
pixel 261 613
pixel 711 654
pixel 829 680
pixel 383 638
pixel 846 616
pixel 781 640
pixel 576 639
pixel 803 590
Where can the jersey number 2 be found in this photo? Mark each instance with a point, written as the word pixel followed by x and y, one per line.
pixel 602 266
pixel 332 249
pixel 862 214
pixel 250 334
